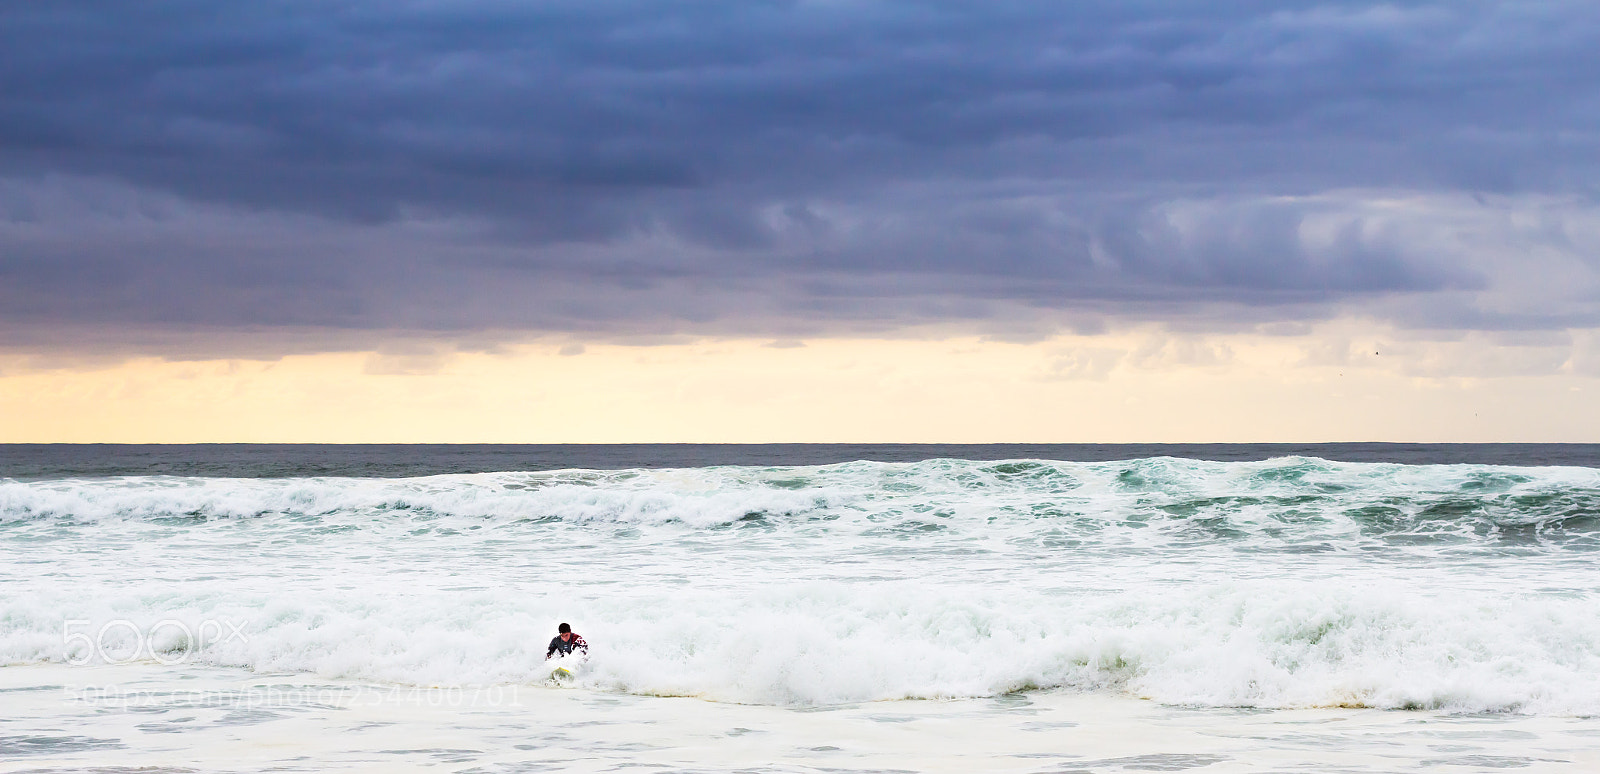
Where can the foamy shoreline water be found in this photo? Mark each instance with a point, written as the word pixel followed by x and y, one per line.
pixel 1282 586
pixel 171 719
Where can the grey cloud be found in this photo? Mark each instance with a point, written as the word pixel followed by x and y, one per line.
pixel 85 253
pixel 363 108
pixel 782 169
pixel 95 253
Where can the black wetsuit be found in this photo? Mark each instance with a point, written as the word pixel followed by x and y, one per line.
pixel 565 647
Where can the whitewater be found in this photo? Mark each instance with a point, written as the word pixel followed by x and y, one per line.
pixel 1286 583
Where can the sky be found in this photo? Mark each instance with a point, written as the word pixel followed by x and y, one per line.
pixel 817 220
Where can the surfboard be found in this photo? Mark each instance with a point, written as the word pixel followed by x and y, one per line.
pixel 564 670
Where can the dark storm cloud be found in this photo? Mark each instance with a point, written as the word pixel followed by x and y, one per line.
pixel 758 166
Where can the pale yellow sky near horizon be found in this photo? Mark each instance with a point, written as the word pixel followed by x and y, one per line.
pixel 1341 382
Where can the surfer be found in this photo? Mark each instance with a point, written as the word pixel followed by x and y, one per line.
pixel 565 642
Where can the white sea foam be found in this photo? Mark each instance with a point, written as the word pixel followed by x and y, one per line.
pixel 1262 645
pixel 1281 584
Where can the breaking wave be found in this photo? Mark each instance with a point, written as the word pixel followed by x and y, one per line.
pixel 1287 583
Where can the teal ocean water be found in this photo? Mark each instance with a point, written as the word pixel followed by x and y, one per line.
pixel 1282 584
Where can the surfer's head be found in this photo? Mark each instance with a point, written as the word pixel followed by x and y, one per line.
pixel 564 630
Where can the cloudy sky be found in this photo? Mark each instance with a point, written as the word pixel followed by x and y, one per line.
pixel 808 220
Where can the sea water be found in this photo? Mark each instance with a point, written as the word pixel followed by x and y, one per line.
pixel 1161 613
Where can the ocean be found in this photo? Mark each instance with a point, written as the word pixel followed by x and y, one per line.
pixel 801 608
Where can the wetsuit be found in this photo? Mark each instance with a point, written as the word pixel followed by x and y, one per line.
pixel 565 647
